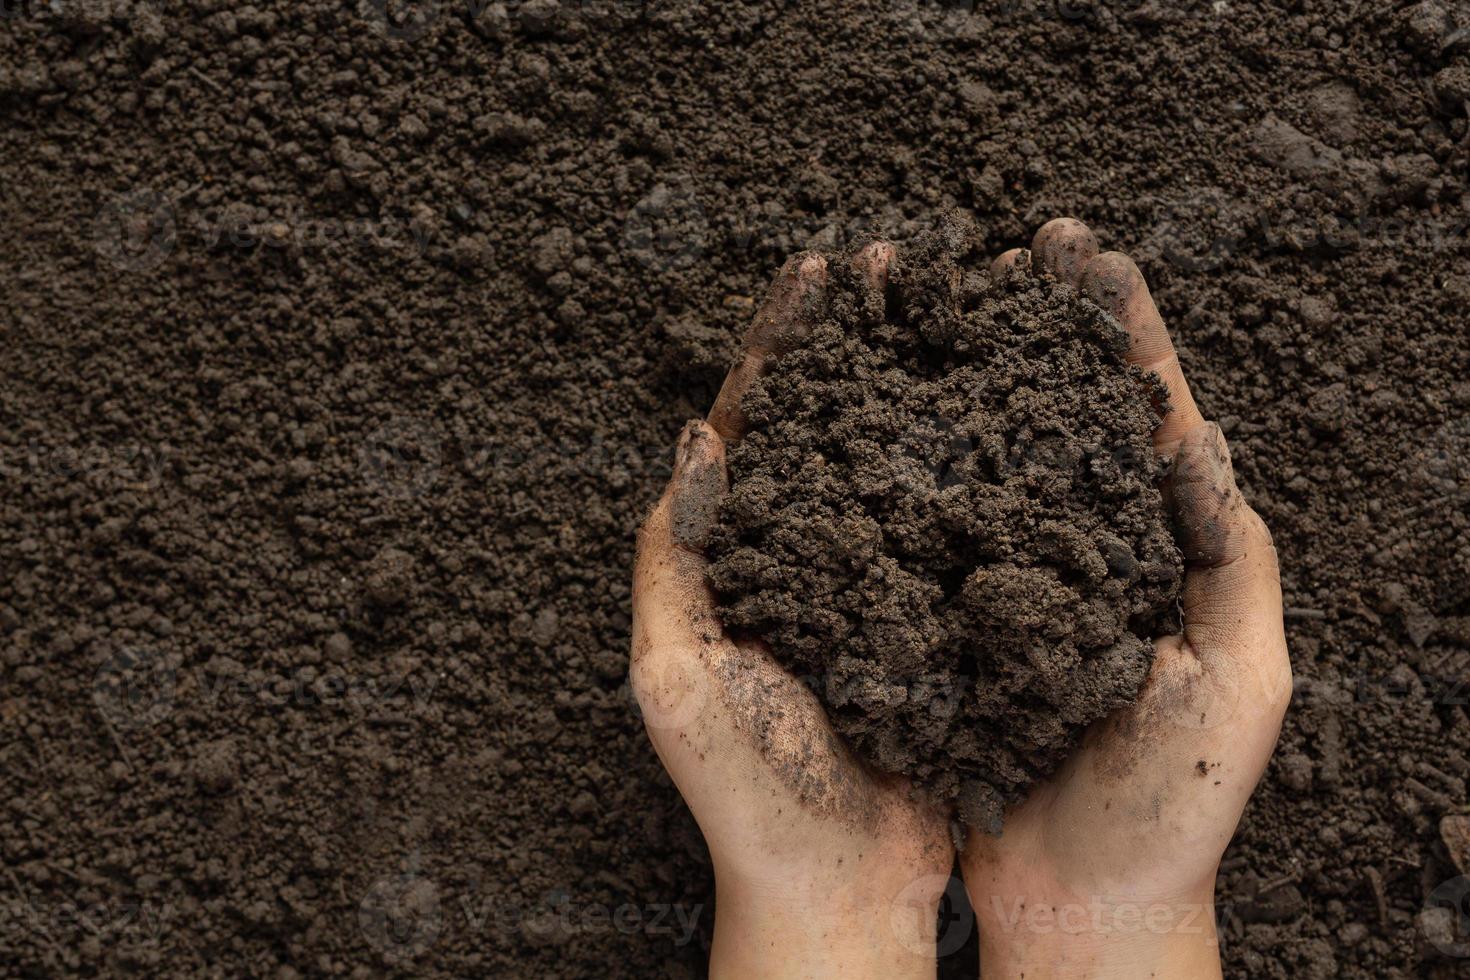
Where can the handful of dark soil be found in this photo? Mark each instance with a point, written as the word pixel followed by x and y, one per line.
pixel 946 514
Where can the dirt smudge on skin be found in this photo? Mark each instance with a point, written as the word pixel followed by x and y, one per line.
pixel 784 721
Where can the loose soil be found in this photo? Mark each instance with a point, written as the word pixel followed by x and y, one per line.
pixel 341 360
pixel 946 515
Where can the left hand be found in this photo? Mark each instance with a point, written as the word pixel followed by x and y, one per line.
pixel 822 866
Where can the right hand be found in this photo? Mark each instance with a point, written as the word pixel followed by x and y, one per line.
pixel 1127 836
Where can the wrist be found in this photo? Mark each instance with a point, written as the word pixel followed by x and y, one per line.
pixel 809 928
pixel 1097 936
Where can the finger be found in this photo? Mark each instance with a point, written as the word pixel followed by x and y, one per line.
pixel 669 583
pixel 1232 586
pixel 873 262
pixel 1016 258
pixel 1112 281
pixel 1063 247
pixel 792 306
pixel 698 486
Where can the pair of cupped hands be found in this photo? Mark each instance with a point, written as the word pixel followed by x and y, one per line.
pixel 825 867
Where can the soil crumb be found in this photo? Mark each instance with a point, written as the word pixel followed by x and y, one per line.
pixel 947 518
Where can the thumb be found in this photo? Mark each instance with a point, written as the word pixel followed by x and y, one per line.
pixel 675 622
pixel 698 486
pixel 1232 587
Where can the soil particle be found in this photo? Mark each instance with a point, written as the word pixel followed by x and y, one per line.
pixel 1454 830
pixel 1296 772
pixel 338 647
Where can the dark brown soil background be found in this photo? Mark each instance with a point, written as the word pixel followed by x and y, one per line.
pixel 946 518
pixel 339 367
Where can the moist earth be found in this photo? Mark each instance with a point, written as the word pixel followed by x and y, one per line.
pixel 289 288
pixel 946 517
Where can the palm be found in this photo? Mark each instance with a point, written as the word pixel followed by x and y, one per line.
pixel 1151 799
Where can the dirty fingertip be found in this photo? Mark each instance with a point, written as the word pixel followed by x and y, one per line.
pixel 1016 258
pixel 1064 247
pixel 811 279
pixel 811 267
pixel 793 303
pixel 800 273
pixel 1109 281
pixel 873 261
